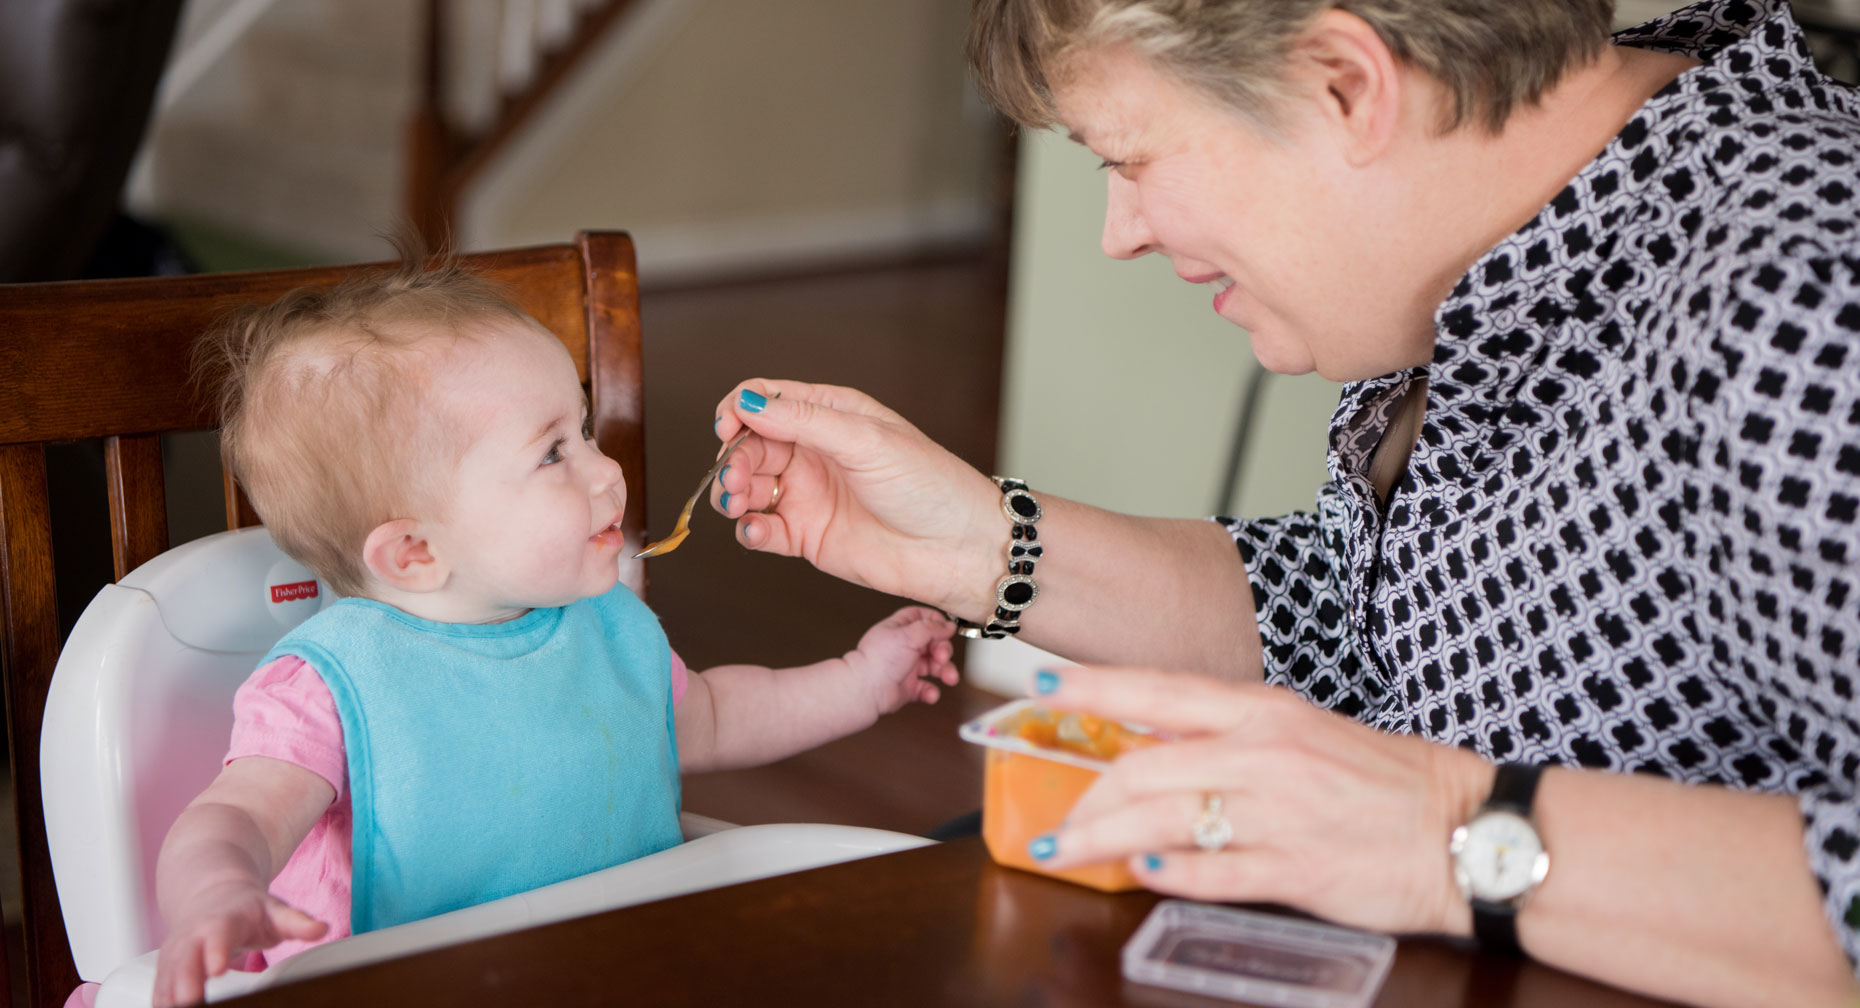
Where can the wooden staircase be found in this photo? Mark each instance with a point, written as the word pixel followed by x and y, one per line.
pixel 324 123
pixel 463 114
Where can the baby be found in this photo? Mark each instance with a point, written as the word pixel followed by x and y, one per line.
pixel 486 710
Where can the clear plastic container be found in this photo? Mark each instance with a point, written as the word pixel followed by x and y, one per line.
pixel 1039 762
pixel 1263 959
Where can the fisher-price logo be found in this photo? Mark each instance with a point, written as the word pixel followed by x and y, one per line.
pixel 293 592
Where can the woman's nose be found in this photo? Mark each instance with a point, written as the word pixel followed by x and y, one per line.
pixel 1126 234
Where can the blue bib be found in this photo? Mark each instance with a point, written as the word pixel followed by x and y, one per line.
pixel 489 760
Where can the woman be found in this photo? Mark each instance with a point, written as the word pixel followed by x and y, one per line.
pixel 1595 476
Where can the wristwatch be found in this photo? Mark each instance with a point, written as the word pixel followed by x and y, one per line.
pixel 1498 857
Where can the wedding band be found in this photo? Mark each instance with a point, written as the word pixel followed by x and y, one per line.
pixel 1212 830
pixel 774 498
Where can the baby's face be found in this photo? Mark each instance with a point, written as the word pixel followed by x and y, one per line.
pixel 533 508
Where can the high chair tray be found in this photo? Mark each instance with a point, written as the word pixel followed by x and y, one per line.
pixel 723 858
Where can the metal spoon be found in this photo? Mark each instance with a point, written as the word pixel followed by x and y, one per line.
pixel 683 528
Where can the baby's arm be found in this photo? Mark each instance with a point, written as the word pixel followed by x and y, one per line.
pixel 745 715
pixel 215 866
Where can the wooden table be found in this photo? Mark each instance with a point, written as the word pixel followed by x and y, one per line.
pixel 940 925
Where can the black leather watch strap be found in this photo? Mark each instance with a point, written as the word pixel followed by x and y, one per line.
pixel 1495 928
pixel 1516 786
pixel 1495 925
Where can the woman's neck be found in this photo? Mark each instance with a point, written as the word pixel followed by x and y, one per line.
pixel 1514 174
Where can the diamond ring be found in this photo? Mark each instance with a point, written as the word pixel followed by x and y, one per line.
pixel 1212 830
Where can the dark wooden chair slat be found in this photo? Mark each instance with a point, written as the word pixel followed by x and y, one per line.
pixel 28 654
pixel 138 506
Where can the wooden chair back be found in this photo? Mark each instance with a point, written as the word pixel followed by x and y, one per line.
pixel 108 360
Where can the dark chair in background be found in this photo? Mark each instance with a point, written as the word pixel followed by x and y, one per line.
pixel 77 81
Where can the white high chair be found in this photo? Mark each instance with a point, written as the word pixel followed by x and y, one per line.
pixel 137 721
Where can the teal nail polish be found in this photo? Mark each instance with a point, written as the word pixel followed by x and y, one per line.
pixel 1152 863
pixel 720 473
pixel 1045 681
pixel 723 503
pixel 714 422
pixel 752 401
pixel 1043 847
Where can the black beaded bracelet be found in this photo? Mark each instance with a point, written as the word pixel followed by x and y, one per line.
pixel 1017 590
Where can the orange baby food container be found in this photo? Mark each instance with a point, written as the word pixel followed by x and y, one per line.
pixel 1039 762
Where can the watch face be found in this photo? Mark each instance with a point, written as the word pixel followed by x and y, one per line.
pixel 1498 857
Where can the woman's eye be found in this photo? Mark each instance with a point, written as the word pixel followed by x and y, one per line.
pixel 1125 169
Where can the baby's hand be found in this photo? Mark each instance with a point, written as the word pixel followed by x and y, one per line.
pixel 219 924
pixel 904 656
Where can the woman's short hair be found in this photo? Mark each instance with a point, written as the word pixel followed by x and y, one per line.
pixel 1491 55
pixel 323 412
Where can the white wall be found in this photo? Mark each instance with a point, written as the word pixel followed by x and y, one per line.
pixel 1632 12
pixel 726 133
pixel 722 133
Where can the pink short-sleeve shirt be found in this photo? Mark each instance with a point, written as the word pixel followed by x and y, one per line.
pixel 285 712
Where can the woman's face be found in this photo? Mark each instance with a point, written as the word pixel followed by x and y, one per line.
pixel 1284 229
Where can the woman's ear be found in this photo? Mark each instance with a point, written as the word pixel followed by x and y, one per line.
pixel 1355 80
pixel 400 557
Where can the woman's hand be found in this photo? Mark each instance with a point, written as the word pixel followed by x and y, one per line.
pixel 1327 815
pixel 865 496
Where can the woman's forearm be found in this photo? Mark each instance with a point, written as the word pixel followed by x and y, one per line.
pixel 1702 894
pixel 1117 589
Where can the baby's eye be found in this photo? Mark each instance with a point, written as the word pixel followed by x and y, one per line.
pixel 587 428
pixel 552 456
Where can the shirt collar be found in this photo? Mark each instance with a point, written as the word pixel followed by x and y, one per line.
pixel 1493 330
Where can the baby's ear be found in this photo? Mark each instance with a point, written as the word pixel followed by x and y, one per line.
pixel 398 554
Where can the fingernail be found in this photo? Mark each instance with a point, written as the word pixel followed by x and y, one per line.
pixel 1045 681
pixel 720 473
pixel 715 422
pixel 1043 847
pixel 1152 862
pixel 723 503
pixel 751 401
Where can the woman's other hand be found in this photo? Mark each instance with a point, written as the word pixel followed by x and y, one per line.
pixel 865 496
pixel 1327 815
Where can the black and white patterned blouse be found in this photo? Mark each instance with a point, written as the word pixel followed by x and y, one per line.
pixel 1627 537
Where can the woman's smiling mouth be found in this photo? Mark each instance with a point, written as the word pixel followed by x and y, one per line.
pixel 1223 289
pixel 1223 286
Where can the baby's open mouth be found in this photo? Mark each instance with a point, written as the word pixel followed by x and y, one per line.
pixel 610 533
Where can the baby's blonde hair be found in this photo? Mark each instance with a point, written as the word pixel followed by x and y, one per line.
pixel 323 409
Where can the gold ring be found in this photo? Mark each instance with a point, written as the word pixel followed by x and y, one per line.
pixel 774 498
pixel 1212 830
